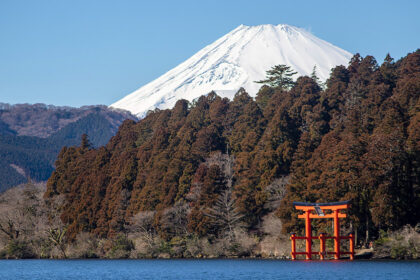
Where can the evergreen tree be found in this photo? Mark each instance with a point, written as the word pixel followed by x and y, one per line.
pixel 358 139
pixel 314 76
pixel 279 76
pixel 388 72
pixel 85 143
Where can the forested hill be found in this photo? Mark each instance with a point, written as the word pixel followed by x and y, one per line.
pixel 208 166
pixel 31 137
pixel 41 120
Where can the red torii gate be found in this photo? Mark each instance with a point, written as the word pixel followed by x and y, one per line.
pixel 335 207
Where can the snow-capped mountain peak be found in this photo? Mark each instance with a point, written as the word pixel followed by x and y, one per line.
pixel 237 60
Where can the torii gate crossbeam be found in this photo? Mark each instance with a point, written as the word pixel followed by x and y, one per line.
pixel 318 208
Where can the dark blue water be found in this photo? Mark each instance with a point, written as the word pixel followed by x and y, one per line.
pixel 206 269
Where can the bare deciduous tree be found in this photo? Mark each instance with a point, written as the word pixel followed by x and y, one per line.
pixel 174 219
pixel 224 213
pixel 142 231
pixel 18 216
pixel 9 228
pixel 276 192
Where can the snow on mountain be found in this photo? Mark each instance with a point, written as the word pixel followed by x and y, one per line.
pixel 237 60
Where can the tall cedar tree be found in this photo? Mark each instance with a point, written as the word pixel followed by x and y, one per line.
pixel 357 139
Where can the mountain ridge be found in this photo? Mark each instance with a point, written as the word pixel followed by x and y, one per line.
pixel 236 60
pixel 32 135
pixel 42 120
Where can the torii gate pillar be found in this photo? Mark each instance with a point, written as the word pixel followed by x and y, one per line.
pixel 308 208
pixel 308 230
pixel 336 235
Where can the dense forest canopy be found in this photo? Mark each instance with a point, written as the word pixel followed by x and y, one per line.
pixel 214 164
pixel 31 137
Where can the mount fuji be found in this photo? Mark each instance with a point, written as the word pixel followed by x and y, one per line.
pixel 237 60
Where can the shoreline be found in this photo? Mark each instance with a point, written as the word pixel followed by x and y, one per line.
pixel 222 259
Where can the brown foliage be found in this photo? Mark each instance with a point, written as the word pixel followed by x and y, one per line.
pixel 358 139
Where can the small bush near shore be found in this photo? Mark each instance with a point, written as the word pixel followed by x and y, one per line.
pixel 401 244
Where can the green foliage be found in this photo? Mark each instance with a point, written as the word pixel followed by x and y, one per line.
pixel 383 238
pixel 18 250
pixel 121 247
pixel 401 244
pixel 57 237
pixel 400 252
pixel 279 76
pixel 164 247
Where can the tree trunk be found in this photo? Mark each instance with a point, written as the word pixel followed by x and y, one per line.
pixel 367 231
pixel 62 248
pixel 355 236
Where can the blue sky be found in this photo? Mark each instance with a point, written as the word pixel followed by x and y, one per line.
pixel 95 52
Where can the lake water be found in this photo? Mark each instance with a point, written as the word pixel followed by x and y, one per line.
pixel 207 269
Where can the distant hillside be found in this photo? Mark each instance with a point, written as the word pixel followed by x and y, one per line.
pixel 207 167
pixel 25 155
pixel 42 120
